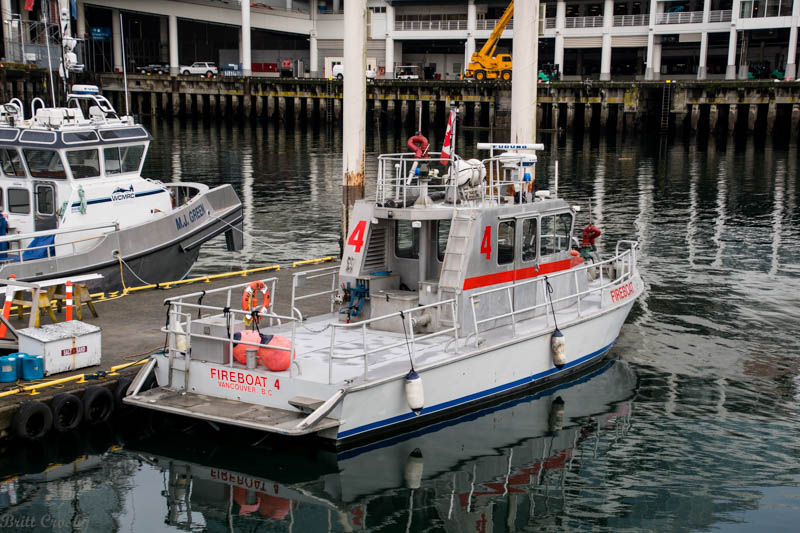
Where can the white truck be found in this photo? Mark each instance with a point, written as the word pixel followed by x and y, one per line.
pixel 338 72
pixel 204 68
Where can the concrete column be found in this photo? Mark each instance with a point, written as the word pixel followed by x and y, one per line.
pixel 752 115
pixel 620 117
pixel 354 93
pixel 289 5
pixel 336 5
pixel 476 114
pixel 115 40
pixel 309 108
pixel 605 57
pixel 281 108
pixel 791 54
pixel 570 116
pixel 526 73
pixel 772 113
pixel 649 72
pixel 587 116
pixel 730 71
pixel 212 105
pixel 200 104
pixel 270 106
pixel 247 66
pixel 389 74
pixel 561 15
pixel 733 113
pixel 472 19
pixel 153 104
pixel 603 115
pixel 554 114
pixel 701 68
pixel 695 116
pixel 657 60
pixel 235 105
pixel 795 120
pixel 80 28
pixel 174 64
pixel 313 55
pixel 163 26
pixel 187 103
pixel 403 111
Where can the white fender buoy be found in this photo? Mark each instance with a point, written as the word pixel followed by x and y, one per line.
pixel 556 419
pixel 413 471
pixel 415 395
pixel 559 349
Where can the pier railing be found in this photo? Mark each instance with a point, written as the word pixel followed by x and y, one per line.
pixel 622 268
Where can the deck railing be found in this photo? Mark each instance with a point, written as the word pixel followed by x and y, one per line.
pixel 17 255
pixel 583 22
pixel 300 278
pixel 408 316
pixel 681 17
pixel 181 309
pixel 631 20
pixel 625 268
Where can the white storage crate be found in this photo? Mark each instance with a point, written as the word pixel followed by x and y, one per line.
pixel 64 346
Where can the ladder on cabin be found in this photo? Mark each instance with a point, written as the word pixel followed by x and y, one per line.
pixel 666 104
pixel 457 252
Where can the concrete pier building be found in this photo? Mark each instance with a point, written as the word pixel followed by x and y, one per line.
pixel 595 39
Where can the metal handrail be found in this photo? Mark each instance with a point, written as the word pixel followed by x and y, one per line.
pixel 60 231
pixel 313 274
pixel 411 340
pixel 626 273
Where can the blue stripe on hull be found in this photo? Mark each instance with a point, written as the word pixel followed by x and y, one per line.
pixel 471 397
pixel 94 201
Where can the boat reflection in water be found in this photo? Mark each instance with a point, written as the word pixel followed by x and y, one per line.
pixel 493 469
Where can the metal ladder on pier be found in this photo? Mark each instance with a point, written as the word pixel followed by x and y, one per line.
pixel 666 104
pixel 329 107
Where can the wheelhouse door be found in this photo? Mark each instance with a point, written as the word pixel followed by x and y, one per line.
pixel 45 217
pixel 527 294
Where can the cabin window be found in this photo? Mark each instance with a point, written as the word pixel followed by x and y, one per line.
pixel 131 157
pixel 84 163
pixel 45 200
pixel 505 242
pixel 45 164
pixel 19 201
pixel 443 232
pixel 406 240
pixel 12 165
pixel 1 200
pixel 111 157
pixel 529 239
pixel 555 233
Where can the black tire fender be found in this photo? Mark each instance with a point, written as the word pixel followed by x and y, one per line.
pixel 120 391
pixel 67 412
pixel 98 404
pixel 32 421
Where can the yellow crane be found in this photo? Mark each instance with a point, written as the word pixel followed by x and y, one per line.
pixel 484 64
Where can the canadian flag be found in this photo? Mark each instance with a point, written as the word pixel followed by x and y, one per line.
pixel 29 5
pixel 445 158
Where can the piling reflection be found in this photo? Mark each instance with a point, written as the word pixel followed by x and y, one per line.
pixel 507 464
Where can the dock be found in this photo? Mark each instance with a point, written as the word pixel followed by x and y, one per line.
pixel 131 330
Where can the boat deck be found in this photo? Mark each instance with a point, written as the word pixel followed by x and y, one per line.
pixel 231 412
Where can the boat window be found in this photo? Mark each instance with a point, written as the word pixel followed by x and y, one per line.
pixel 127 133
pixel 406 240
pixel 1 200
pixel 8 135
pixel 75 137
pixel 45 200
pixel 131 157
pixel 555 232
pixel 84 163
pixel 12 166
pixel 443 232
pixel 111 156
pixel 505 242
pixel 19 201
pixel 40 137
pixel 44 164
pixel 529 239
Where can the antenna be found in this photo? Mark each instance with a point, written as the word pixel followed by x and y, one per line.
pixel 124 67
pixel 47 45
pixel 555 184
pixel 420 116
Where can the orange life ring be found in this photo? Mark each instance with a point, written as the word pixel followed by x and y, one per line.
pixel 250 300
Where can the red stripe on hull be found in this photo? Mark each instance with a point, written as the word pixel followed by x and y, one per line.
pixel 520 274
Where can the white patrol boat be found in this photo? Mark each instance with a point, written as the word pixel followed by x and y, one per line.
pixel 457 286
pixel 73 199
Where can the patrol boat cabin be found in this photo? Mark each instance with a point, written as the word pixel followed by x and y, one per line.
pixel 71 176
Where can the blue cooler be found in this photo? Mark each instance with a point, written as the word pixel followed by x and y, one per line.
pixel 32 367
pixel 8 369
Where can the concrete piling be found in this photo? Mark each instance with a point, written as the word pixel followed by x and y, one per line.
pixel 733 115
pixel 570 116
pixel 587 116
pixel 772 113
pixel 795 120
pixel 752 116
pixel 695 117
pixel 713 117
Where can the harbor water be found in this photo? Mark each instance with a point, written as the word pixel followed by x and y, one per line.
pixel 692 424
